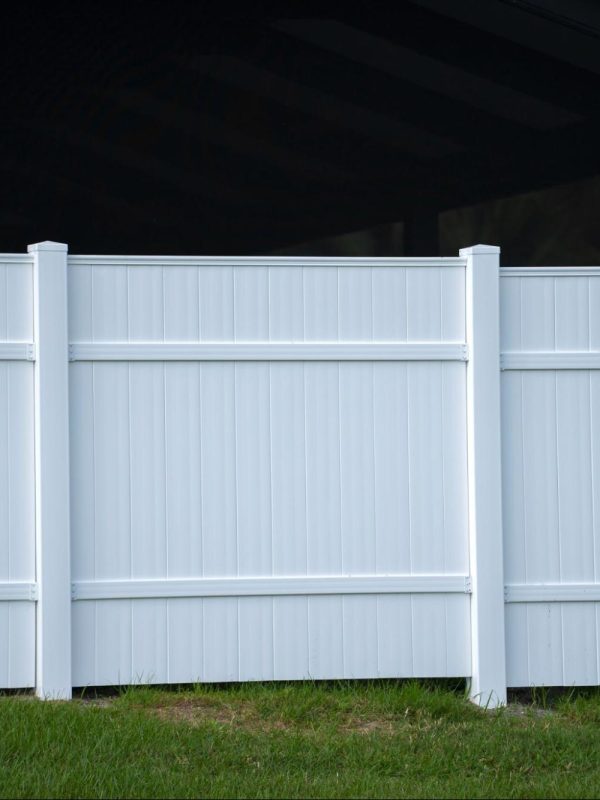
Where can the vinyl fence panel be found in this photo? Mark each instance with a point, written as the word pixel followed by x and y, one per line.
pixel 17 498
pixel 551 453
pixel 220 462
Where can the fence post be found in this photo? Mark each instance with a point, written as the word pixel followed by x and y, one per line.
pixel 488 656
pixel 53 564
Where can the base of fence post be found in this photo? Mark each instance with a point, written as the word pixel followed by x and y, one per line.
pixel 487 686
pixel 53 566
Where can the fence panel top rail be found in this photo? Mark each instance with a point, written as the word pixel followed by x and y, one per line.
pixel 260 261
pixel 16 258
pixel 550 272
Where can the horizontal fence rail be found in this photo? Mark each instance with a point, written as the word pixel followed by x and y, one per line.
pixel 17 259
pixel 549 272
pixel 271 586
pixel 267 351
pixel 17 351
pixel 260 261
pixel 552 593
pixel 550 360
pixel 294 585
pixel 18 590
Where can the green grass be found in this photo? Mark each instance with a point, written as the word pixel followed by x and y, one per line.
pixel 379 739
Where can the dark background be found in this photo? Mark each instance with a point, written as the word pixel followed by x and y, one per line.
pixel 411 128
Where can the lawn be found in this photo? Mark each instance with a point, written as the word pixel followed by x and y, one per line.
pixel 378 739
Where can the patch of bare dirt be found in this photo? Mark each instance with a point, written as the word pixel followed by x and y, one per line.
pixel 367 727
pixel 198 711
pixel 244 716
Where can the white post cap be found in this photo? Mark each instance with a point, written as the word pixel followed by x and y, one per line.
pixel 57 246
pixel 478 249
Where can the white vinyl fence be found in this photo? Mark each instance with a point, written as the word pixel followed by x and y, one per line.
pixel 551 478
pixel 228 469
